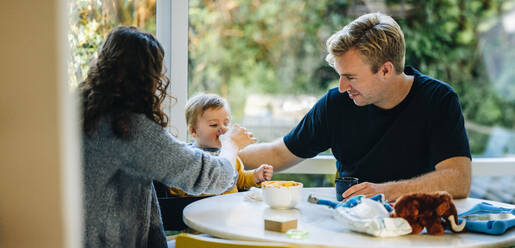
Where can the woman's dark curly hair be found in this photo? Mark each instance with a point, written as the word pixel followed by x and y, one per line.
pixel 126 78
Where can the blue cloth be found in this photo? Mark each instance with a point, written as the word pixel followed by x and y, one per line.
pixel 378 145
pixel 355 200
pixel 487 218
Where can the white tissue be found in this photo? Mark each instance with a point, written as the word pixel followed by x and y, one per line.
pixel 372 218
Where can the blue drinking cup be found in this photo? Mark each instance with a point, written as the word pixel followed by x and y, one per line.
pixel 342 184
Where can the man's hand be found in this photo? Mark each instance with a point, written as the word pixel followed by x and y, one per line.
pixel 451 175
pixel 366 188
pixel 263 173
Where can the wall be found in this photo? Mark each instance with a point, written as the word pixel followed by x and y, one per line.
pixel 31 195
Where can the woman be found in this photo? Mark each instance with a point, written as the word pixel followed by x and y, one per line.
pixel 125 145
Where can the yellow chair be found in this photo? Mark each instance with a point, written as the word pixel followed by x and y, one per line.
pixel 185 240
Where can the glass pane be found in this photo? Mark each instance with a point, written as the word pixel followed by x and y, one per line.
pixel 91 20
pixel 267 58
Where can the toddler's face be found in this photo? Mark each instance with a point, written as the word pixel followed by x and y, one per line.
pixel 210 125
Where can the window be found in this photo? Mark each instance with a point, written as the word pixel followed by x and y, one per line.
pixel 266 58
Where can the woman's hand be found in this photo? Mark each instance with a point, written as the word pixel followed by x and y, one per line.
pixel 237 136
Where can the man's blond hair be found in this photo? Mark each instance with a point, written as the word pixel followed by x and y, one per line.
pixel 197 105
pixel 378 38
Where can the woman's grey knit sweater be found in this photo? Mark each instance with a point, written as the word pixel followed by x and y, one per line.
pixel 121 208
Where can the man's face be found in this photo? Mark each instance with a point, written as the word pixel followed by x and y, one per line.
pixel 210 125
pixel 357 79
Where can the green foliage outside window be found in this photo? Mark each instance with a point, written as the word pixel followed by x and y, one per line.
pixel 91 20
pixel 277 47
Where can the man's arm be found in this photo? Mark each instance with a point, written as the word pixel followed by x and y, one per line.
pixel 274 153
pixel 452 175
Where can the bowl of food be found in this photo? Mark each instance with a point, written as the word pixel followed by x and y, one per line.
pixel 282 194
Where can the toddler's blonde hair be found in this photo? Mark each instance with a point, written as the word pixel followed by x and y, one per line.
pixel 197 105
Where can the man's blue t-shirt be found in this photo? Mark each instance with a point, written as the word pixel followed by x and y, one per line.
pixel 378 145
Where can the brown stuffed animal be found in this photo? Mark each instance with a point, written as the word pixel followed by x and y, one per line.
pixel 431 211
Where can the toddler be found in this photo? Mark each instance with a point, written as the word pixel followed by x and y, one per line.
pixel 208 117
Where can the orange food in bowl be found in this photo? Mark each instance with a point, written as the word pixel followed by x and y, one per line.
pixel 282 194
pixel 278 184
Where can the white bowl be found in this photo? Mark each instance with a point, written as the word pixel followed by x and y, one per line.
pixel 281 194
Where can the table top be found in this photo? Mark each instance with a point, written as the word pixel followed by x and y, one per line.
pixel 234 216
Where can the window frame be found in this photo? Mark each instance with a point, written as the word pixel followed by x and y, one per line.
pixel 172 32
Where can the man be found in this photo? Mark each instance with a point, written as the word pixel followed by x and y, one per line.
pixel 394 128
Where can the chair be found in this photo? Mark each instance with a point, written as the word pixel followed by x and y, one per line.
pixel 172 207
pixel 185 240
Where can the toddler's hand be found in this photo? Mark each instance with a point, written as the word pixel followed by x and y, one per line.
pixel 264 173
pixel 239 136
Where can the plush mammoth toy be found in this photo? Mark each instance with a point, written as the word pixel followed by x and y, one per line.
pixel 433 211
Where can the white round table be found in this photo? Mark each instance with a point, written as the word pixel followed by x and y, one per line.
pixel 234 216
